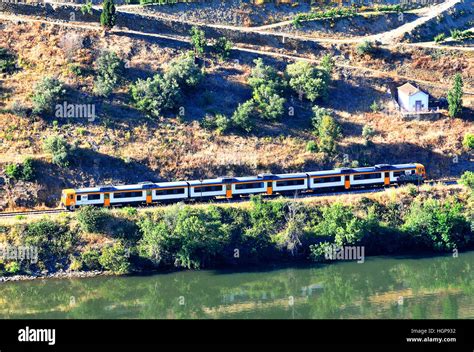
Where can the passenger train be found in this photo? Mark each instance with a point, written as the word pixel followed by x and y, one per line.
pixel 147 193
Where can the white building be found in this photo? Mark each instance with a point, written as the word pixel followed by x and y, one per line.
pixel 411 98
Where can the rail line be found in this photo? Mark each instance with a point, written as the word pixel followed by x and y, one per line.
pixel 298 196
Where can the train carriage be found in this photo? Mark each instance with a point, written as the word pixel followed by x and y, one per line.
pixel 230 187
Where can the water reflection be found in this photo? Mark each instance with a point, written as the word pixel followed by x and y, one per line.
pixel 441 287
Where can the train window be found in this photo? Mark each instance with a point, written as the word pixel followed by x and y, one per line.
pixel 290 183
pixel 93 196
pixel 79 198
pixel 327 179
pixel 165 192
pixel 207 189
pixel 249 185
pixel 367 176
pixel 127 194
pixel 397 173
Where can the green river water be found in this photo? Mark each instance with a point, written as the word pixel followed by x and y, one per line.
pixel 404 287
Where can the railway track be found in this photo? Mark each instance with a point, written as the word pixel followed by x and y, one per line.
pixel 298 196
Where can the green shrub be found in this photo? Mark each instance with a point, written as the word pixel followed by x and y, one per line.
pixel 7 61
pixel 156 94
pixel 222 48
pixel 90 260
pixel 312 147
pixel 86 8
pixel 184 237
pixel 468 141
pixel 455 96
pixel 110 68
pixel 13 268
pixel 467 179
pixel 374 107
pixel 437 225
pixel 92 219
pixel 328 131
pixel 108 17
pixel 46 93
pixel 24 171
pixel 318 114
pixel 55 243
pixel 440 38
pixel 459 35
pixel 368 132
pixel 243 116
pixel 198 40
pixel 264 75
pixel 366 48
pixel 115 258
pixel 61 151
pixel 269 105
pixel 184 71
pixel 308 80
pixel 339 224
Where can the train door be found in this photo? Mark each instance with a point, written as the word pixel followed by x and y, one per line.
pixel 106 199
pixel 386 180
pixel 148 196
pixel 347 181
pixel 270 188
pixel 228 190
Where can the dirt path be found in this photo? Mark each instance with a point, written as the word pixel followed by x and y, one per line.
pixel 434 11
pixel 236 48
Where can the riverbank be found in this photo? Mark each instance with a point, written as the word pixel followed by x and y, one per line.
pixel 432 219
pixel 56 275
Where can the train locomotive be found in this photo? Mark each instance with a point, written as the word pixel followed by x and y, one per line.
pixel 148 193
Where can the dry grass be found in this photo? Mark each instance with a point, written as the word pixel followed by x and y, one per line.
pixel 176 149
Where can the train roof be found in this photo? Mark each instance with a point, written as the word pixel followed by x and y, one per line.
pixel 134 187
pixel 342 171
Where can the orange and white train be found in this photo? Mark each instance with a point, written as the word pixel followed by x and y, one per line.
pixel 148 193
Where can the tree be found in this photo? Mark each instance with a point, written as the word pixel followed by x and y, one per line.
pixel 242 117
pixel 108 16
pixel 60 149
pixel 328 132
pixel 308 80
pixel 455 96
pixel 266 75
pixel 109 71
pixel 198 40
pixel 268 103
pixel 318 114
pixel 46 93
